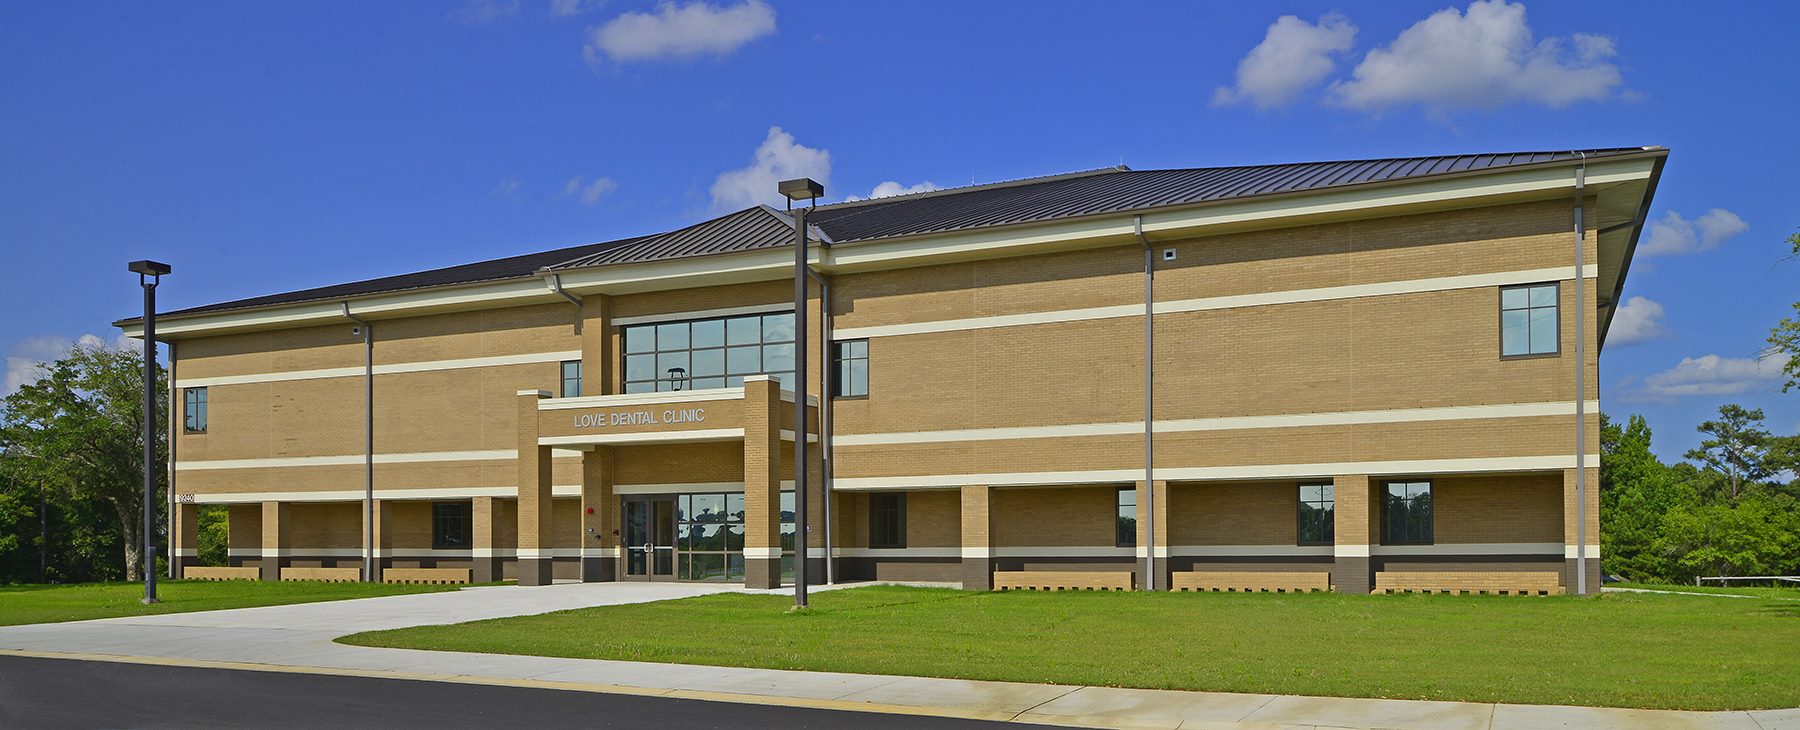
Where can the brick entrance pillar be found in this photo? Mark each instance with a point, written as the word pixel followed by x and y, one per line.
pixel 977 538
pixel 599 516
pixel 484 541
pixel 1156 546
pixel 1571 542
pixel 762 482
pixel 183 545
pixel 382 514
pixel 274 519
pixel 534 494
pixel 1353 523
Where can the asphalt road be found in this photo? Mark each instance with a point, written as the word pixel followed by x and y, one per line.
pixel 61 693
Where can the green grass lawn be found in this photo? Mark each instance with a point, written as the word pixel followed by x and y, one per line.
pixel 1792 594
pixel 36 604
pixel 1624 650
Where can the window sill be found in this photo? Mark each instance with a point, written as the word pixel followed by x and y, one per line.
pixel 1533 356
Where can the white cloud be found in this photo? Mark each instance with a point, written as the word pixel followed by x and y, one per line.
pixel 1484 58
pixel 507 188
pixel 778 158
pixel 1674 234
pixel 1293 56
pixel 589 193
pixel 476 12
pixel 1637 320
pixel 1710 376
pixel 27 356
pixel 571 8
pixel 892 188
pixel 680 31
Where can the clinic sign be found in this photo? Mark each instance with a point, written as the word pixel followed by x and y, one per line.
pixel 639 418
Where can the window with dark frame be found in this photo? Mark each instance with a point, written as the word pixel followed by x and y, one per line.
pixel 718 352
pixel 193 409
pixel 1127 527
pixel 850 379
pixel 571 378
pixel 887 520
pixel 1528 320
pixel 1317 512
pixel 1406 513
pixel 451 524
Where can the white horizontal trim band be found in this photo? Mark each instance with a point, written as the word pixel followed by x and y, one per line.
pixel 1248 551
pixel 416 457
pixel 1223 423
pixel 680 488
pixel 1293 296
pixel 400 553
pixel 762 553
pixel 1470 548
pixel 702 314
pixel 356 495
pixel 645 437
pixel 1214 473
pixel 787 434
pixel 186 552
pixel 1350 551
pixel 389 369
pixel 642 399
pixel 1570 552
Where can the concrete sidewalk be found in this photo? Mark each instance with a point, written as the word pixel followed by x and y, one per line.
pixel 298 638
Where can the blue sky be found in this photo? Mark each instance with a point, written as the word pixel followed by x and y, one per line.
pixel 261 147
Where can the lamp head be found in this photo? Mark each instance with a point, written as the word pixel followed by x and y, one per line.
pixel 804 188
pixel 149 268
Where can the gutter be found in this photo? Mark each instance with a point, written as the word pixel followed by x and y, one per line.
pixel 554 279
pixel 826 403
pixel 1581 312
pixel 1137 228
pixel 368 334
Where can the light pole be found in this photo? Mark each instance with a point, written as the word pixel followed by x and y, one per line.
pixel 810 190
pixel 149 274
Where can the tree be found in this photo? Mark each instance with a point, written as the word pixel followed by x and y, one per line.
pixel 77 430
pixel 1636 491
pixel 1739 447
pixel 1784 337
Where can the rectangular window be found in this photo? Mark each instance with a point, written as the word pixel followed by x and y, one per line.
pixel 1127 529
pixel 887 520
pixel 193 410
pixel 1406 514
pixel 571 378
pixel 1528 321
pixel 451 524
pixel 708 353
pixel 1316 513
pixel 850 378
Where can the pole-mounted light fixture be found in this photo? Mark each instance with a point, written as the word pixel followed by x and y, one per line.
pixel 807 189
pixel 149 274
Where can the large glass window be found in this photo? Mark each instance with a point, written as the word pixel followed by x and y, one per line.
pixel 851 377
pixel 571 378
pixel 710 528
pixel 708 353
pixel 887 520
pixel 1406 513
pixel 451 524
pixel 193 402
pixel 1316 514
pixel 1127 529
pixel 1528 322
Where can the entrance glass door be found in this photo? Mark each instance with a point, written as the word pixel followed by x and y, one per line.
pixel 650 537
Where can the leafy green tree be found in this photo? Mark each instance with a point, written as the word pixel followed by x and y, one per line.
pixel 214 538
pixel 76 430
pixel 1756 536
pixel 1784 337
pixel 1738 447
pixel 1636 492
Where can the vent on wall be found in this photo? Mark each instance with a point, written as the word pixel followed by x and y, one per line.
pixel 1168 254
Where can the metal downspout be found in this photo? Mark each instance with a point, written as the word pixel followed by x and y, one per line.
pixel 555 280
pixel 825 407
pixel 1137 227
pixel 368 333
pixel 1581 310
pixel 170 526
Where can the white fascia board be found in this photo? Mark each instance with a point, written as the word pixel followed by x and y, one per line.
pixel 642 399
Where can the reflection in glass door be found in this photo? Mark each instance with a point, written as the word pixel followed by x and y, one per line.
pixel 650 538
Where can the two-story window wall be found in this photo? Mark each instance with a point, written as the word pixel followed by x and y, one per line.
pixel 708 353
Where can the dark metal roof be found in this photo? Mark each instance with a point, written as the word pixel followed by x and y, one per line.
pixel 1031 200
pixel 1118 190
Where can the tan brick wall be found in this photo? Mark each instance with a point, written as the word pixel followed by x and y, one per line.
pixel 324 525
pixel 1234 513
pixel 933 519
pixel 1497 509
pixel 1056 517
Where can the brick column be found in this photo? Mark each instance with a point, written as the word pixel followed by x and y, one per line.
pixel 274 514
pixel 534 494
pixel 486 563
pixel 977 538
pixel 599 358
pixel 762 482
pixel 383 534
pixel 1160 544
pixel 183 542
pixel 1353 524
pixel 815 506
pixel 1570 541
pixel 599 516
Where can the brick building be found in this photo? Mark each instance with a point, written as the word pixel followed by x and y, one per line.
pixel 1364 374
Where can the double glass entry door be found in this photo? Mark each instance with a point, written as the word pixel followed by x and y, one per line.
pixel 650 538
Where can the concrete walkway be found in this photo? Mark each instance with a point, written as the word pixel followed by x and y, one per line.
pixel 299 639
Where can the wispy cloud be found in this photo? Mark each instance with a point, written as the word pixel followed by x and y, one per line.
pixel 1637 320
pixel 680 32
pixel 572 8
pixel 1484 58
pixel 26 358
pixel 1709 375
pixel 589 193
pixel 1673 234
pixel 1294 56
pixel 477 12
pixel 778 158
